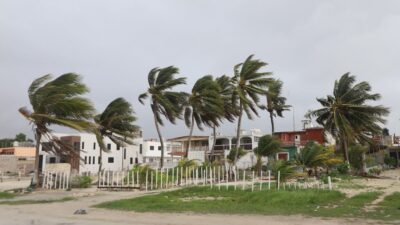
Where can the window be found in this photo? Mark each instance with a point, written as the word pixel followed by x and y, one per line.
pixel 136 160
pixel 85 159
pixel 94 160
pixel 109 146
pixel 151 147
pixel 94 145
pixel 52 159
pixel 131 161
pixel 90 160
pixel 110 159
pixel 256 139
pixel 118 147
pixel 159 148
pixel 83 145
pixel 140 149
pixel 124 153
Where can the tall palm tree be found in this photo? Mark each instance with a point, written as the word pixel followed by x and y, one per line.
pixel 346 114
pixel 57 102
pixel 249 84
pixel 203 107
pixel 164 102
pixel 276 103
pixel 229 105
pixel 115 123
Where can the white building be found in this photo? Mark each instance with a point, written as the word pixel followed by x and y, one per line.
pixel 248 141
pixel 152 153
pixel 117 158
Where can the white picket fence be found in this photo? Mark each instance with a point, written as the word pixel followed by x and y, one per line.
pixel 56 180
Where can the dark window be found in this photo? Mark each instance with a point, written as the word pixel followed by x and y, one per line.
pixel 124 153
pixel 109 146
pixel 136 160
pixel 94 160
pixel 159 148
pixel 52 159
pixel 83 145
pixel 118 147
pixel 151 147
pixel 94 145
pixel 85 159
pixel 90 160
pixel 141 149
pixel 110 159
pixel 131 160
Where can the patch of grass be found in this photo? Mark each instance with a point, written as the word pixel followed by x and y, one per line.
pixel 206 200
pixel 28 202
pixel 6 195
pixel 351 185
pixel 389 208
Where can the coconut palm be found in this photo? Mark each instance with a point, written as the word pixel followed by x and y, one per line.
pixel 346 114
pixel 164 102
pixel 249 84
pixel 57 102
pixel 115 123
pixel 276 103
pixel 267 147
pixel 229 105
pixel 203 107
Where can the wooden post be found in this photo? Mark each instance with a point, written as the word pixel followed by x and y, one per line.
pixel 269 179
pixel 205 176
pixel 244 179
pixel 329 183
pixel 151 180
pixel 138 178
pixel 252 183
pixel 161 180
pixel 235 172
pixel 279 179
pixel 43 181
pixel 261 180
pixel 156 178
pixel 173 177
pixel 147 175
pixel 68 176
pixel 133 178
pixel 219 178
pixel 181 184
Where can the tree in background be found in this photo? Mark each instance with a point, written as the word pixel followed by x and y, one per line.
pixel 116 122
pixel 268 146
pixel 163 101
pixel 57 102
pixel 249 84
pixel 346 114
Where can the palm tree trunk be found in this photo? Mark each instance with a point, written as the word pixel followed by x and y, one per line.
pixel 101 160
pixel 238 132
pixel 189 145
pixel 214 141
pixel 38 137
pixel 161 140
pixel 271 117
pixel 346 152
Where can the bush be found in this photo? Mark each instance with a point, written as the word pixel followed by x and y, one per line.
pixel 81 182
pixel 390 161
pixel 356 156
pixel 343 168
pixel 375 171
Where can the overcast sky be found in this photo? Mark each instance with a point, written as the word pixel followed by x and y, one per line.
pixel 113 45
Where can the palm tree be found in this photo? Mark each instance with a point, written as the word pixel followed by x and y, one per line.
pixel 115 123
pixel 276 103
pixel 229 105
pixel 57 102
pixel 346 114
pixel 267 146
pixel 204 106
pixel 249 84
pixel 164 102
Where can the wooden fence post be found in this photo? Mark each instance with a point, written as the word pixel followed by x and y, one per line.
pixel 279 179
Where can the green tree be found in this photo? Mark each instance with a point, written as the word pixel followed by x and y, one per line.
pixel 116 122
pixel 57 102
pixel 163 101
pixel 249 84
pixel 20 137
pixel 235 154
pixel 267 147
pixel 229 105
pixel 276 103
pixel 203 107
pixel 347 115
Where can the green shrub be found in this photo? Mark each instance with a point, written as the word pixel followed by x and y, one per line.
pixel 81 182
pixel 343 168
pixel 375 171
pixel 390 161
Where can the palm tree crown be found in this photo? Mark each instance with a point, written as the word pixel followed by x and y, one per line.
pixel 346 114
pixel 164 102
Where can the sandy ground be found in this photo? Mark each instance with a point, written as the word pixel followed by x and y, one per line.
pixel 62 213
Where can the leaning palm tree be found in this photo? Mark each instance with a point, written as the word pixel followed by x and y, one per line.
pixel 346 114
pixel 204 106
pixel 164 102
pixel 276 103
pixel 116 124
pixel 229 105
pixel 57 102
pixel 249 83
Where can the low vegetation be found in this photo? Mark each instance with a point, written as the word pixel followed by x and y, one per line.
pixel 28 202
pixel 6 195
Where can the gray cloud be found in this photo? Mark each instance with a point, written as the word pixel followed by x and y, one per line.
pixel 308 45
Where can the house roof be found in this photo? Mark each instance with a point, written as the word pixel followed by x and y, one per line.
pixel 186 138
